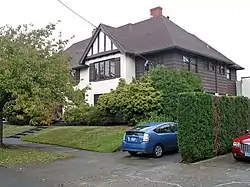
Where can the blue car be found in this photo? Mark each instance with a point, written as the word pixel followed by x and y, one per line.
pixel 151 138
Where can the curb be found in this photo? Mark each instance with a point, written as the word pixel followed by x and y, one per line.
pixel 117 149
pixel 211 159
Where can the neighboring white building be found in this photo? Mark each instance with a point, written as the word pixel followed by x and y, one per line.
pixel 124 52
pixel 243 87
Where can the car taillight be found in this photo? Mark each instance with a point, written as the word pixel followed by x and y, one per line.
pixel 145 138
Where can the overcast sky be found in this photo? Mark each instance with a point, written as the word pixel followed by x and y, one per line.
pixel 224 24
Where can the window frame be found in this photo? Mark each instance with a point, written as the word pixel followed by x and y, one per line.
pixel 229 74
pixel 211 66
pixel 96 98
pixel 162 126
pixel 187 60
pixel 106 73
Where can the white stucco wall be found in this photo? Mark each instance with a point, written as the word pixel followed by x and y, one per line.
pixel 127 70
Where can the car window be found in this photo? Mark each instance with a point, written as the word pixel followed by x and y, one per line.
pixel 163 129
pixel 173 127
pixel 140 127
pixel 176 126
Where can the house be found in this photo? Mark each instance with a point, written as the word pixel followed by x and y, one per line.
pixel 127 51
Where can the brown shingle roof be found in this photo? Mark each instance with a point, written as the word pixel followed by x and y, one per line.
pixel 159 33
pixel 155 34
pixel 75 52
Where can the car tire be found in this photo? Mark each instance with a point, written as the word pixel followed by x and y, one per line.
pixel 133 153
pixel 236 158
pixel 176 150
pixel 158 151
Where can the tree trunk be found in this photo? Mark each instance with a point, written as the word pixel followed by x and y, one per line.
pixel 1 127
pixel 3 100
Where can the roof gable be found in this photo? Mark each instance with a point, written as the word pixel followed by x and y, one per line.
pixel 100 42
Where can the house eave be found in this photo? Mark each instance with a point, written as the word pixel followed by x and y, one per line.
pixel 83 66
pixel 99 55
pixel 228 62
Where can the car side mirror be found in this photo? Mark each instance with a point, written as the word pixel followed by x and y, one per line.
pixel 247 131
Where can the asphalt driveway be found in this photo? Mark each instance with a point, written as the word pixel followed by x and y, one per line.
pixel 120 170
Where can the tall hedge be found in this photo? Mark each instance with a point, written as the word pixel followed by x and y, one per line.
pixel 234 119
pixel 195 118
pixel 208 124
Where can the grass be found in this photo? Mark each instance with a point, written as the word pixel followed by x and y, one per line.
pixel 11 155
pixel 9 130
pixel 100 139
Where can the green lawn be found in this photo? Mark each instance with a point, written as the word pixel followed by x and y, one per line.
pixel 12 155
pixel 101 139
pixel 9 130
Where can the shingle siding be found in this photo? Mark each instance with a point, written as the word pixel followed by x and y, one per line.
pixel 167 58
pixel 212 81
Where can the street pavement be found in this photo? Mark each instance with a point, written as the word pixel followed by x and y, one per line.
pixel 89 169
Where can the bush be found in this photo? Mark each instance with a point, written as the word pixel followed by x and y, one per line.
pixel 170 83
pixel 85 115
pixel 134 101
pixel 234 120
pixel 195 126
pixel 208 125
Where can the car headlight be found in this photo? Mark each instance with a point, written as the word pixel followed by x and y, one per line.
pixel 236 144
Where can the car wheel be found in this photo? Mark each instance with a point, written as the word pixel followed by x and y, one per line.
pixel 158 151
pixel 176 150
pixel 236 158
pixel 133 153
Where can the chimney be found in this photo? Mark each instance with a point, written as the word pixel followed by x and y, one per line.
pixel 156 12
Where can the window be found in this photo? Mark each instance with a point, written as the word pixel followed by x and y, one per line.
pixel 147 65
pixel 211 66
pixel 97 74
pixel 190 63
pixel 104 70
pixel 223 70
pixel 173 127
pixel 163 129
pixel 101 70
pixel 96 97
pixel 193 65
pixel 228 71
pixel 112 69
pixel 220 69
pixel 186 62
pixel 185 59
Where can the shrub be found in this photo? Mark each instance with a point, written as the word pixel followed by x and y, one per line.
pixel 85 115
pixel 171 82
pixel 234 119
pixel 207 124
pixel 134 101
pixel 195 126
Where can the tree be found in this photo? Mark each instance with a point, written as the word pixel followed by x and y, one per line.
pixel 134 101
pixel 171 82
pixel 34 73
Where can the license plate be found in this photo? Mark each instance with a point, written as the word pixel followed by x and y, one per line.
pixel 132 139
pixel 247 154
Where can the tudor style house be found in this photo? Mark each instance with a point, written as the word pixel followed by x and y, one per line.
pixel 126 51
